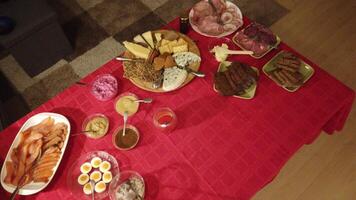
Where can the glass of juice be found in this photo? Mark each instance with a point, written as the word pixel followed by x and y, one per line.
pixel 165 119
pixel 126 102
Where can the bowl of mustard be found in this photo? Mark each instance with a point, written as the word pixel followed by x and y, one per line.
pixel 95 126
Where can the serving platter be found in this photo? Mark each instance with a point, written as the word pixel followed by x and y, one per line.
pixel 32 187
pixel 148 86
pixel 305 69
pixel 250 92
pixel 235 41
pixel 228 3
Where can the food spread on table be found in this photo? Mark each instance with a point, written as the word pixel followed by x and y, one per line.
pixel 37 153
pixel 235 80
pixel 159 59
pixel 95 175
pixel 215 17
pixel 257 38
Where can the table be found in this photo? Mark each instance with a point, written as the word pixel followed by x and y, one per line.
pixel 222 148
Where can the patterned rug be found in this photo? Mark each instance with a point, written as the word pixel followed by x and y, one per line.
pixel 95 29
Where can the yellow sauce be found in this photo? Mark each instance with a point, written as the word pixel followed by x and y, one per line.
pixel 126 103
pixel 97 127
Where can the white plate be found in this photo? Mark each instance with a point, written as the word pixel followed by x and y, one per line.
pixel 196 29
pixel 32 187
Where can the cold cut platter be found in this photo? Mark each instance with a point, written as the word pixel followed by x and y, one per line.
pixel 35 153
pixel 215 18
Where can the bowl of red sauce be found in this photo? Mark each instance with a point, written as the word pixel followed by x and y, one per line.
pixel 104 87
pixel 164 119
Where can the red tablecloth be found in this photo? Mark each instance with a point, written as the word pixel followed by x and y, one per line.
pixel 222 148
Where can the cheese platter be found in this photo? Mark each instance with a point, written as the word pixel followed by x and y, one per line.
pixel 161 60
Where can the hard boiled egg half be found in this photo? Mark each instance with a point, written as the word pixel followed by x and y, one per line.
pixel 100 187
pixel 95 176
pixel 95 162
pixel 85 168
pixel 105 166
pixel 83 179
pixel 87 188
pixel 107 177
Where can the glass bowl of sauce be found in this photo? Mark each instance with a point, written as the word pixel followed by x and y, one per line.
pixel 126 102
pixel 104 87
pixel 127 141
pixel 164 119
pixel 95 126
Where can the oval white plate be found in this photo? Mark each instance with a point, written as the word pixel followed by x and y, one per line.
pixel 196 29
pixel 32 187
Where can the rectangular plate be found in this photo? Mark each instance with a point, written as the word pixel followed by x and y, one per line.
pixel 250 92
pixel 306 70
pixel 32 187
pixel 234 40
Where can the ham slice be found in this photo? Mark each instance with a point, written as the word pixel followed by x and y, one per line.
pixel 210 26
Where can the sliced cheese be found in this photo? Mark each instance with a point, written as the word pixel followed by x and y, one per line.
pixel 139 39
pixel 181 41
pixel 164 42
pixel 181 48
pixel 158 37
pixel 164 49
pixel 173 78
pixel 148 37
pixel 172 44
pixel 137 50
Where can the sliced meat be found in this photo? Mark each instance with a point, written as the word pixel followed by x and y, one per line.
pixel 220 5
pixel 276 76
pixel 209 25
pixel 288 82
pixel 222 84
pixel 230 80
pixel 236 79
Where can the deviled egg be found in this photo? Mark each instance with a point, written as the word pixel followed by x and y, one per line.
pixel 83 179
pixel 105 166
pixel 85 167
pixel 95 162
pixel 87 189
pixel 95 176
pixel 107 177
pixel 100 187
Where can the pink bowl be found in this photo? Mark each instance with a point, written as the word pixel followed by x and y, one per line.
pixel 104 87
